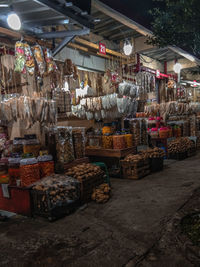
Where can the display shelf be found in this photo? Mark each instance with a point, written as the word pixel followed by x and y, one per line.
pixel 110 153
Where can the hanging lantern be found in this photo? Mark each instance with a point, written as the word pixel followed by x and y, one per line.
pixel 177 68
pixel 127 48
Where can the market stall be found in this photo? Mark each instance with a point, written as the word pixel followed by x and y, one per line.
pixel 65 129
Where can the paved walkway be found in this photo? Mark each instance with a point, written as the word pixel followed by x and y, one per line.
pixel 110 235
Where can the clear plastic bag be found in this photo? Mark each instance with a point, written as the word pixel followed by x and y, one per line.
pixel 89 115
pixel 78 135
pixel 64 144
pixel 97 115
pixel 39 58
pixel 30 63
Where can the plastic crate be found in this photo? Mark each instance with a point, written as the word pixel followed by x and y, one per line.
pixel 156 164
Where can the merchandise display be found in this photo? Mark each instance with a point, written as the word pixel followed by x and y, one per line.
pixel 29 171
pixel 66 130
pixel 180 145
pixel 89 176
pixel 54 195
pixel 101 194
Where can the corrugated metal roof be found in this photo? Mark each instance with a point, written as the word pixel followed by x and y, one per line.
pixel 110 28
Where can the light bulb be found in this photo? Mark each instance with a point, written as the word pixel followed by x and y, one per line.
pixel 127 48
pixel 14 21
pixel 177 68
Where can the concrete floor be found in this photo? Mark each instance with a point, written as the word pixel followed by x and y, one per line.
pixel 114 234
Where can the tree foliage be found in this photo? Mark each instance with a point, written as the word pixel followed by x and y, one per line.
pixel 177 22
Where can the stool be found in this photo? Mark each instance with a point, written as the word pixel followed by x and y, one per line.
pixel 103 166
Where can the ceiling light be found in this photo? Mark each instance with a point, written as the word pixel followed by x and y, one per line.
pixel 14 21
pixel 4 5
pixel 177 68
pixel 128 48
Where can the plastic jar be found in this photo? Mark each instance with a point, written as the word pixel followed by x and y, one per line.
pixel 129 140
pixel 29 171
pixel 46 165
pixel 154 133
pixel 164 132
pixel 119 142
pixel 107 129
pixel 107 141
pixel 14 170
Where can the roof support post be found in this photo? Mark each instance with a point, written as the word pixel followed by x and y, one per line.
pixel 64 42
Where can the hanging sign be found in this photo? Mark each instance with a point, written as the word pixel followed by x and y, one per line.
pixel 102 48
pixel 158 74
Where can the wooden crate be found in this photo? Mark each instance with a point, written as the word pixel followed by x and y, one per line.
pixel 135 170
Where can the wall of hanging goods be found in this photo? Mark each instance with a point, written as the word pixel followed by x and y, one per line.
pixel 56 117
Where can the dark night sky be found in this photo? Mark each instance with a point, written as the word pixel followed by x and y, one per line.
pixel 137 10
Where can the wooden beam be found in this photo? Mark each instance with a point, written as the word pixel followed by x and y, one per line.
pixel 18 35
pixel 96 46
pixel 79 47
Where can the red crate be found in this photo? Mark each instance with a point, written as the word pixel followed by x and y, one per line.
pixel 19 201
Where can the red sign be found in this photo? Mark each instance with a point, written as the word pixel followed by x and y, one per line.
pixel 157 74
pixel 102 48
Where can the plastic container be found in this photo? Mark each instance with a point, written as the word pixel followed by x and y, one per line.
pixel 119 142
pixel 107 141
pixel 4 177
pixel 94 141
pixel 170 133
pixel 164 132
pixel 29 171
pixel 107 129
pixel 129 140
pixel 14 170
pixel 154 133
pixel 18 145
pixel 46 165
pixel 177 131
pixel 151 120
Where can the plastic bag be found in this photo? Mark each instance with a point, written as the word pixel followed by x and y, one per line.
pixel 30 63
pixel 78 135
pixel 50 63
pixel 20 58
pixel 89 115
pixel 39 57
pixel 64 144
